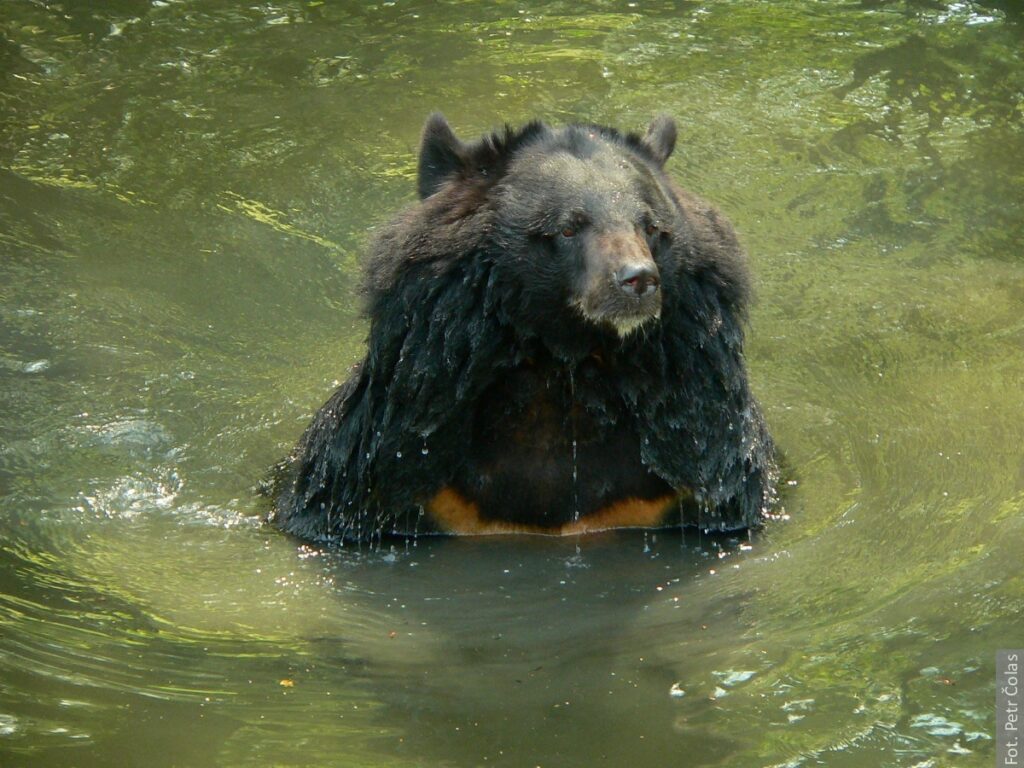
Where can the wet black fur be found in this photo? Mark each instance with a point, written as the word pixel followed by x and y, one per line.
pixel 468 321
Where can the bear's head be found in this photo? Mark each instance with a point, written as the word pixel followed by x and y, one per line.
pixel 581 219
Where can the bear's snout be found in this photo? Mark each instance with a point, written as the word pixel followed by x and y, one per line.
pixel 622 284
pixel 638 280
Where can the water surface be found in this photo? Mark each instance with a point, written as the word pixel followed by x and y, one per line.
pixel 185 190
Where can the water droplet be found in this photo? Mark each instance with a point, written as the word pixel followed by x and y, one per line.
pixel 398 455
pixel 425 450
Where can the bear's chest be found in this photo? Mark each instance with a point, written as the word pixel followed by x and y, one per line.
pixel 553 452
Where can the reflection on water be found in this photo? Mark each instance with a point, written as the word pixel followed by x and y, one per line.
pixel 184 191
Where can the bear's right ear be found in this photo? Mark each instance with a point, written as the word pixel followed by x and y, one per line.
pixel 441 155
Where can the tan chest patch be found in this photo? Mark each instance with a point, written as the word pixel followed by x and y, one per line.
pixel 456 514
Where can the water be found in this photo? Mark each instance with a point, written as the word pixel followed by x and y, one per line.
pixel 185 188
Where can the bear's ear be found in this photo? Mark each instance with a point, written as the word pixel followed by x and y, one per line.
pixel 441 155
pixel 660 138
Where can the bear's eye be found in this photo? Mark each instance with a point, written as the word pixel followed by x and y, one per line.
pixel 651 229
pixel 569 232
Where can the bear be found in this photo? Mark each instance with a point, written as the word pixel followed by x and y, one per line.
pixel 555 346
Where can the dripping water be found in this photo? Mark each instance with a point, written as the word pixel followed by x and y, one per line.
pixel 575 466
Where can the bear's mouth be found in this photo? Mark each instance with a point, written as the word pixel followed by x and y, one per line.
pixel 620 313
pixel 625 325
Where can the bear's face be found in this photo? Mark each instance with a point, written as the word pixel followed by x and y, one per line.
pixel 580 219
pixel 585 227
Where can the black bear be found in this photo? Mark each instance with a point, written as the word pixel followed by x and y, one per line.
pixel 555 346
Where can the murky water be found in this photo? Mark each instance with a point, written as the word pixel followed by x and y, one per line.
pixel 184 190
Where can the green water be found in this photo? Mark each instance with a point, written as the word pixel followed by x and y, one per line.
pixel 185 188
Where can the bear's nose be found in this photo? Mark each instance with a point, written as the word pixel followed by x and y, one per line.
pixel 638 280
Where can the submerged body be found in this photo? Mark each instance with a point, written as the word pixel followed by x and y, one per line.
pixel 555 346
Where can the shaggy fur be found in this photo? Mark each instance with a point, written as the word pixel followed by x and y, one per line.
pixel 516 372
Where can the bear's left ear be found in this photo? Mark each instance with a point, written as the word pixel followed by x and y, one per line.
pixel 441 155
pixel 660 138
